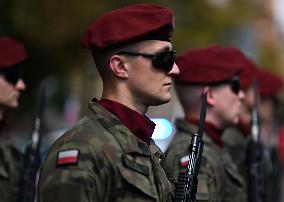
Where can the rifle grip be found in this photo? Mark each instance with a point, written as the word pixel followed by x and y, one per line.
pixel 181 190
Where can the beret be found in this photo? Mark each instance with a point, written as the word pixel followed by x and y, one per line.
pixel 269 83
pixel 207 65
pixel 12 52
pixel 249 72
pixel 129 24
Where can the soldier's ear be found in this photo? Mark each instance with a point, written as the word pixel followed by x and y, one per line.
pixel 210 97
pixel 117 65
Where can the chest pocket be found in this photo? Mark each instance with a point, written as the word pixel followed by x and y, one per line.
pixel 138 175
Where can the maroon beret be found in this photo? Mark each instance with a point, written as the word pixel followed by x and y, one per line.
pixel 129 24
pixel 269 84
pixel 249 72
pixel 207 65
pixel 12 52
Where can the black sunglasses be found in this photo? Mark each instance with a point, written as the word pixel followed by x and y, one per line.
pixel 164 60
pixel 234 84
pixel 11 75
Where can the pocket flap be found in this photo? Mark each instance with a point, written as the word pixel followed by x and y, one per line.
pixel 202 189
pixel 137 175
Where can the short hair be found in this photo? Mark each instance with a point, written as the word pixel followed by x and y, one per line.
pixel 189 96
pixel 102 56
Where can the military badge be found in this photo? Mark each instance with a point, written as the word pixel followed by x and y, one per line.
pixel 68 157
pixel 184 161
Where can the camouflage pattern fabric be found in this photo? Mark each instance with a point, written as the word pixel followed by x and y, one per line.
pixel 236 145
pixel 10 159
pixel 113 165
pixel 218 178
pixel 235 187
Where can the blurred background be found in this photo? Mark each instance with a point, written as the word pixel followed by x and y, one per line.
pixel 52 30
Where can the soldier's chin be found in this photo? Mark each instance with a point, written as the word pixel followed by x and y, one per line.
pixel 160 102
pixel 231 123
pixel 236 121
pixel 13 105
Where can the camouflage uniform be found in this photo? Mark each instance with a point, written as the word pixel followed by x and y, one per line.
pixel 114 165
pixel 218 178
pixel 9 172
pixel 236 145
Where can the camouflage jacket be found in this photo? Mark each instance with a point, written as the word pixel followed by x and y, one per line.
pixel 10 159
pixel 218 178
pixel 236 145
pixel 113 165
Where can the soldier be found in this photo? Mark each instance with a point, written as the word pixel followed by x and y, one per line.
pixel 213 70
pixel 270 86
pixel 12 54
pixel 109 155
pixel 236 137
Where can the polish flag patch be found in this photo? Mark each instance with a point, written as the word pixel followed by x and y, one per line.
pixel 68 157
pixel 184 161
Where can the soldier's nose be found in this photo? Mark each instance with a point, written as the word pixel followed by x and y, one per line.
pixel 20 85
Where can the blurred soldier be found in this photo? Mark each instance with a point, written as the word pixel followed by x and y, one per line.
pixel 12 54
pixel 270 86
pixel 109 155
pixel 214 70
pixel 236 138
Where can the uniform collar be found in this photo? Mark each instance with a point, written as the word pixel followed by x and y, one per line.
pixel 143 127
pixel 213 132
pixel 126 139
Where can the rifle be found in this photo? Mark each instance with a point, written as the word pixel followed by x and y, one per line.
pixel 186 187
pixel 256 191
pixel 32 156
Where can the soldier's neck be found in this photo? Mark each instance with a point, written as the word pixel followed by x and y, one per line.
pixel 119 92
pixel 125 100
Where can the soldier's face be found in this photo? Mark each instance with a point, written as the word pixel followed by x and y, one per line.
pixel 227 105
pixel 150 85
pixel 9 93
pixel 247 106
pixel 266 109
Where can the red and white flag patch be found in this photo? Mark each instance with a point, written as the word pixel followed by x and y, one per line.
pixel 184 161
pixel 68 157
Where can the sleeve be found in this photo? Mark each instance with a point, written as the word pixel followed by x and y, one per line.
pixel 175 160
pixel 86 179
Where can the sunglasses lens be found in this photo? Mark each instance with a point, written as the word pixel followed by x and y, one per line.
pixel 235 86
pixel 164 61
pixel 12 76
